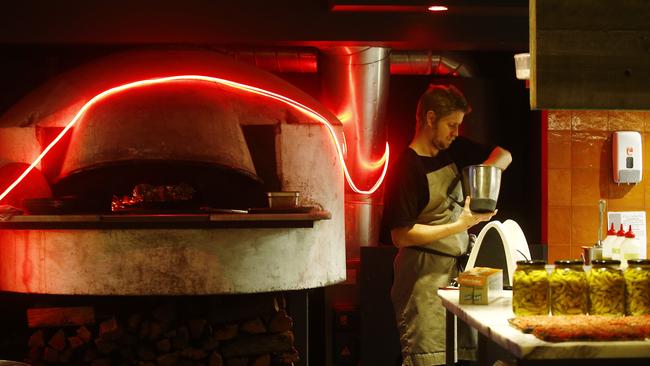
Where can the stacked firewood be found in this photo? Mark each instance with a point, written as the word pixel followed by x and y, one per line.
pixel 249 330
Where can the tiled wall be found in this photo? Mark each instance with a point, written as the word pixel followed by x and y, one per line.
pixel 579 173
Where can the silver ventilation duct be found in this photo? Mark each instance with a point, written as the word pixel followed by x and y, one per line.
pixel 298 60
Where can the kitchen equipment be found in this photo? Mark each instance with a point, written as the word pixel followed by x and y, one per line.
pixel 627 157
pixel 616 246
pixel 608 243
pixel 54 205
pixel 630 248
pixel 143 135
pixel 597 250
pixel 586 254
pixel 522 66
pixel 287 199
pixel 500 245
pixel 482 183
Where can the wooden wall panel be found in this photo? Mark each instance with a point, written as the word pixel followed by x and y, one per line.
pixel 588 54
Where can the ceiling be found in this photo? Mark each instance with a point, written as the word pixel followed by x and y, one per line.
pixel 399 24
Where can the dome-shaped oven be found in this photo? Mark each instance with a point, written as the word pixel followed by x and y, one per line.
pixel 186 131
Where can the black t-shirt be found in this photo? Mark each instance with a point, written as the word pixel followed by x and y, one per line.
pixel 407 190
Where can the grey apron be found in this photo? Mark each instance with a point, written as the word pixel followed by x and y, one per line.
pixel 418 275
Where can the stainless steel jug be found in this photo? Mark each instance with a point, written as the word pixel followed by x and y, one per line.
pixel 482 183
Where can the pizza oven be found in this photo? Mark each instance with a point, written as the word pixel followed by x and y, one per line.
pixel 225 131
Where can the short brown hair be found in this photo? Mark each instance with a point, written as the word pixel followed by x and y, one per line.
pixel 442 100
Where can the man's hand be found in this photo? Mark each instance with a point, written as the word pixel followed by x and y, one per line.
pixel 469 218
pixel 423 234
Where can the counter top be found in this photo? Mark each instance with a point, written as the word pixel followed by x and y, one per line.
pixel 492 321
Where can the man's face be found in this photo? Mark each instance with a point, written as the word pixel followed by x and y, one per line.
pixel 445 129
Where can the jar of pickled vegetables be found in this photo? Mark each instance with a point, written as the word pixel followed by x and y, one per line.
pixel 530 288
pixel 637 285
pixel 569 288
pixel 606 288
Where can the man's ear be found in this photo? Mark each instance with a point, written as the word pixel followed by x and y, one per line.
pixel 431 117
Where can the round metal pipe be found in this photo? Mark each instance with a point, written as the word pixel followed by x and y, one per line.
pixel 355 89
pixel 284 60
pixel 426 63
pixel 298 60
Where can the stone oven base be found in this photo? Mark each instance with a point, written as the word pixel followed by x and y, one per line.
pixel 190 261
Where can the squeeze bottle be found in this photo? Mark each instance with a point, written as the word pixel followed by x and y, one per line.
pixel 630 248
pixel 609 241
pixel 616 246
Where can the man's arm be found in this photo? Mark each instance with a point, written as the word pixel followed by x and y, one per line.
pixel 499 157
pixel 420 234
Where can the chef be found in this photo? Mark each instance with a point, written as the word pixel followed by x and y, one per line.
pixel 426 217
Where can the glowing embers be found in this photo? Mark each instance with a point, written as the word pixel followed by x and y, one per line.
pixel 244 87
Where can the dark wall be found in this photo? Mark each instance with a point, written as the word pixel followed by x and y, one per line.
pixel 487 25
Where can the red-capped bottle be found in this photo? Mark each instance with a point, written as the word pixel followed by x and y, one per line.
pixel 630 248
pixel 608 242
pixel 616 247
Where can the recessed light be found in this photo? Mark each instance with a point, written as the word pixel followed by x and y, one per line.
pixel 437 8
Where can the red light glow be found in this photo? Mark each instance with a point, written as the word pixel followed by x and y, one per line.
pixel 244 87
pixel 437 8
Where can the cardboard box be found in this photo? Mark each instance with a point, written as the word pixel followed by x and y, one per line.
pixel 466 295
pixel 481 284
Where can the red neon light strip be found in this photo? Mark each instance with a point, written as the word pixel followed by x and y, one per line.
pixel 248 88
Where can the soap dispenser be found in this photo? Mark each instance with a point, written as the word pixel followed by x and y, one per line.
pixel 627 157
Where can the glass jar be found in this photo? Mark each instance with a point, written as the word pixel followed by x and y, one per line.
pixel 606 288
pixel 637 287
pixel 569 288
pixel 530 288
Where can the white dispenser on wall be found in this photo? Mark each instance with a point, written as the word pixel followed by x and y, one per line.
pixel 627 157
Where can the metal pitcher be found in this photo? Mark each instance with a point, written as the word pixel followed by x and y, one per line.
pixel 482 183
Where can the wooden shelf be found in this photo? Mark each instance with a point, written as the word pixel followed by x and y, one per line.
pixel 166 221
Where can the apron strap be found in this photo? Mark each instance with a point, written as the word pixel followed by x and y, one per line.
pixel 433 251
pixel 461 260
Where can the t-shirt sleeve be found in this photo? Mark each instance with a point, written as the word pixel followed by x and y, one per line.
pixel 466 152
pixel 401 207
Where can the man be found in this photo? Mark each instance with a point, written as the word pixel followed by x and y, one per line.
pixel 424 219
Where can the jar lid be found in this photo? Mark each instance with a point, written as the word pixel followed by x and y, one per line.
pixel 534 262
pixel 569 262
pixel 638 261
pixel 605 261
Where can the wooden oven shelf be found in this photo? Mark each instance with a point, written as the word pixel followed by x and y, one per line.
pixel 167 221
